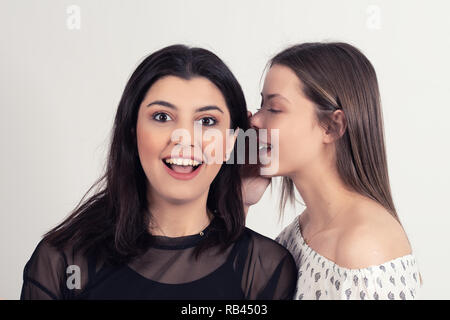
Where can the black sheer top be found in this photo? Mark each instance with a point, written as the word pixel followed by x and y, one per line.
pixel 253 267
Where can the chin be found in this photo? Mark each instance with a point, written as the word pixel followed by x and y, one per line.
pixel 268 172
pixel 270 175
pixel 185 192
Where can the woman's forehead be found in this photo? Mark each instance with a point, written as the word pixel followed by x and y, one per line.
pixel 193 93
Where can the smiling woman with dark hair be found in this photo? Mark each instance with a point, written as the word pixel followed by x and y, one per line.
pixel 165 226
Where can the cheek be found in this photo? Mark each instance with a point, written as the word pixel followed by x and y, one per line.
pixel 214 144
pixel 214 149
pixel 299 143
pixel 150 145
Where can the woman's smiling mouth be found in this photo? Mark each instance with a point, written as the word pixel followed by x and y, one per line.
pixel 182 168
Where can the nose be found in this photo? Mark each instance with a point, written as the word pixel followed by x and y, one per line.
pixel 185 137
pixel 255 120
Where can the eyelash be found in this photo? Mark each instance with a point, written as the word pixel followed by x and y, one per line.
pixel 270 110
pixel 207 125
pixel 211 118
pixel 157 114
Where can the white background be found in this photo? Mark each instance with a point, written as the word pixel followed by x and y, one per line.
pixel 60 87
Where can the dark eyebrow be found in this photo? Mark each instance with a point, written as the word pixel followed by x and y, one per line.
pixel 162 103
pixel 274 95
pixel 206 108
pixel 170 105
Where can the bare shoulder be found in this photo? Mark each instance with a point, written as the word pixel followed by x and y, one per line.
pixel 372 236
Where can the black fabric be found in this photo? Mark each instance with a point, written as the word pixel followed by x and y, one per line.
pixel 254 267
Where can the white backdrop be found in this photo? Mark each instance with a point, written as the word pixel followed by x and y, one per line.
pixel 64 64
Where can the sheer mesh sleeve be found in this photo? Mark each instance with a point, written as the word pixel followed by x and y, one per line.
pixel 55 274
pixel 268 269
pixel 44 274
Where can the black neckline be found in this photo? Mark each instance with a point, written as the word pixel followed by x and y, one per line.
pixel 176 243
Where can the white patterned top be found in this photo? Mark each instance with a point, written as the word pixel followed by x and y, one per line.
pixel 320 278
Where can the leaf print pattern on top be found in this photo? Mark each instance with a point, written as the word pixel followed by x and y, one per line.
pixel 320 278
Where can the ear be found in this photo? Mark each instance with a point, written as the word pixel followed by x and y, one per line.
pixel 336 127
pixel 230 141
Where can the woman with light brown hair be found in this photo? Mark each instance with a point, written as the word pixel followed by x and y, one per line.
pixel 348 243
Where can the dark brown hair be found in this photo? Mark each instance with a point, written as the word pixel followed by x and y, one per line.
pixel 337 76
pixel 113 223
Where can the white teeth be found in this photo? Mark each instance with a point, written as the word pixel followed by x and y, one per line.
pixel 182 162
pixel 264 146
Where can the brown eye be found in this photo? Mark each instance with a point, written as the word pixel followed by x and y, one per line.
pixel 161 117
pixel 208 121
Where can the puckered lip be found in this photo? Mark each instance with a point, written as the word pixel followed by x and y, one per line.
pixel 264 143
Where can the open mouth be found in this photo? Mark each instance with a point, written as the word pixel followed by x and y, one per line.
pixel 182 165
pixel 265 146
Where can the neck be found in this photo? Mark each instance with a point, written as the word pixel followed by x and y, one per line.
pixel 177 219
pixel 325 195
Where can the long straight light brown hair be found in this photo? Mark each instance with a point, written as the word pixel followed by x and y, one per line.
pixel 337 76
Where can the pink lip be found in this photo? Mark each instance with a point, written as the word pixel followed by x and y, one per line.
pixel 264 142
pixel 183 176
